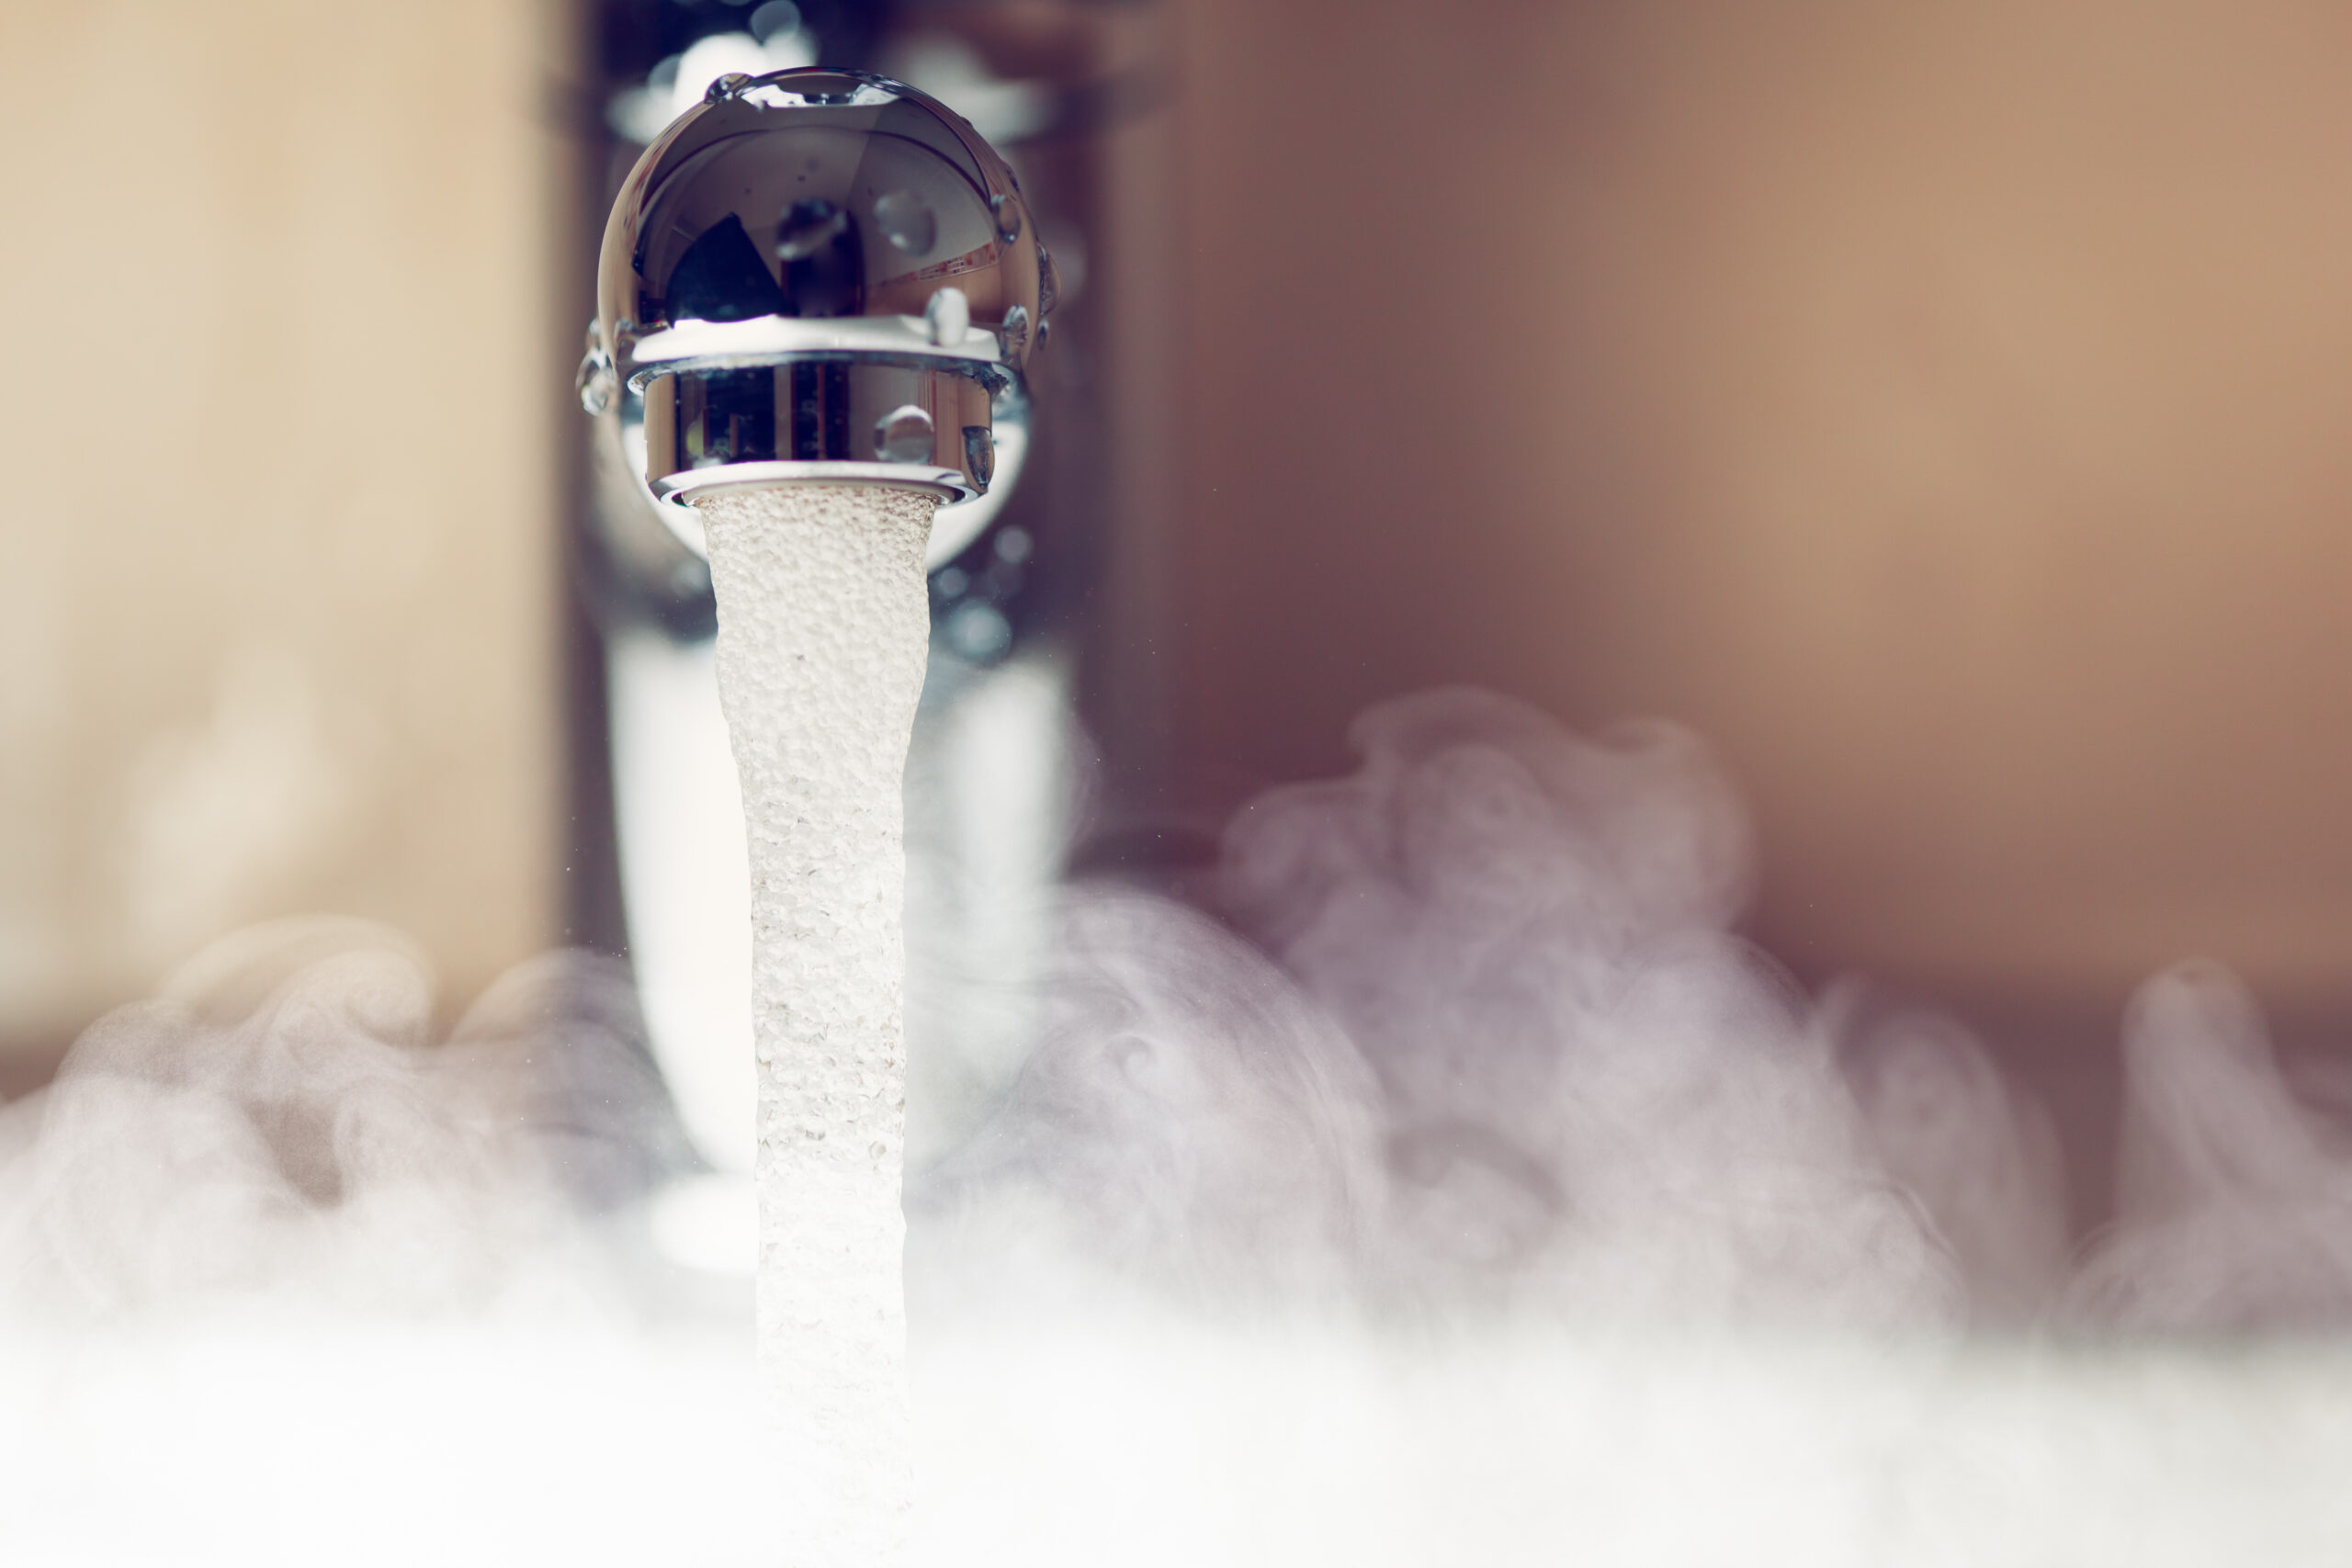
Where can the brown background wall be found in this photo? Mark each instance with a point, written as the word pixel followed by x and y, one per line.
pixel 275 598
pixel 1944 408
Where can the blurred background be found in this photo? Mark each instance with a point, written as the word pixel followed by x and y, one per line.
pixel 1939 410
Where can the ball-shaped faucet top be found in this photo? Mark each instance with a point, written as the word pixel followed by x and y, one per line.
pixel 854 239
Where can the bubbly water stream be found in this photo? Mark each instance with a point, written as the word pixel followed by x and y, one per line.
pixel 823 627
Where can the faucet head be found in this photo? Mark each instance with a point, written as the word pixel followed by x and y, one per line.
pixel 819 274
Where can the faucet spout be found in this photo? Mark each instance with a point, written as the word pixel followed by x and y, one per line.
pixel 818 276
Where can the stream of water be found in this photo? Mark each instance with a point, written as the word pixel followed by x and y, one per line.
pixel 823 629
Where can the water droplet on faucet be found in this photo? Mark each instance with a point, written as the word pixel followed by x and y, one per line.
pixel 909 224
pixel 1008 217
pixel 903 435
pixel 596 381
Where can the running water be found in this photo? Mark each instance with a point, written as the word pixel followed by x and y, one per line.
pixel 823 628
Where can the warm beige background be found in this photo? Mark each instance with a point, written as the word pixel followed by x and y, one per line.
pixel 1944 408
pixel 276 567
pixel 1948 409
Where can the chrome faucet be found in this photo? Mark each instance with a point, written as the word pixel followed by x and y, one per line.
pixel 819 274
pixel 811 274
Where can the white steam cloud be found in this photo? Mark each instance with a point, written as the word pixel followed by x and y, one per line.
pixel 1467 1189
pixel 288 1275
pixel 281 1115
pixel 1457 1186
pixel 2234 1198
pixel 1496 1051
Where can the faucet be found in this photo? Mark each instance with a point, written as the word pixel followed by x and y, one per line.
pixel 819 274
pixel 812 274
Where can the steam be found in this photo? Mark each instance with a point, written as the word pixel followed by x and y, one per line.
pixel 1502 1056
pixel 278 1115
pixel 1189 1120
pixel 288 1273
pixel 1493 1051
pixel 1459 1186
pixel 1452 1183
pixel 1980 1157
pixel 2234 1198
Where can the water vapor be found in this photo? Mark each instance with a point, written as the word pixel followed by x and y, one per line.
pixel 281 1113
pixel 2233 1196
pixel 290 1272
pixel 1496 1050
pixel 1450 1180
pixel 1979 1155
pixel 1469 1035
pixel 1457 1184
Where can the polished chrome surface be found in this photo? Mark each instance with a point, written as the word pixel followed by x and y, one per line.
pixel 905 423
pixel 794 264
